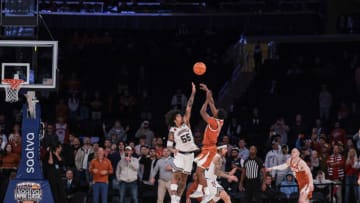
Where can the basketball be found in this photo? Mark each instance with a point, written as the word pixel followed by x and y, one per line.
pixel 199 68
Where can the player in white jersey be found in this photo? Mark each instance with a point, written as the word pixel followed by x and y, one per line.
pixel 214 171
pixel 181 136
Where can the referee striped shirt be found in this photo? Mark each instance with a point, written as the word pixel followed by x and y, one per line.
pixel 253 168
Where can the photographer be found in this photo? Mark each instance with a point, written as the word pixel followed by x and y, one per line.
pixel 54 167
pixel 127 174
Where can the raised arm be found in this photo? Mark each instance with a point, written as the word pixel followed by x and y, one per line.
pixel 189 105
pixel 203 112
pixel 209 98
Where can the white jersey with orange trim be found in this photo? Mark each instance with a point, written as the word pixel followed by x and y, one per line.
pixel 183 138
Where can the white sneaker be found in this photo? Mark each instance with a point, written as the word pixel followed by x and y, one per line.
pixel 196 194
pixel 175 199
pixel 207 198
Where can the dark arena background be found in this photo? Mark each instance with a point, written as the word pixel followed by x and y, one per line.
pixel 286 71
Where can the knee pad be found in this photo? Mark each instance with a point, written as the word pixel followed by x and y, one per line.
pixel 173 187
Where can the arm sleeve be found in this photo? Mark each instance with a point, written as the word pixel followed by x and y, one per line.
pixel 280 167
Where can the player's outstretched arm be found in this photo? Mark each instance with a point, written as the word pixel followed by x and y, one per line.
pixel 189 105
pixel 203 112
pixel 278 167
pixel 219 172
pixel 209 98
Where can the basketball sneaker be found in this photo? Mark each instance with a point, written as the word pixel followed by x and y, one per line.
pixel 207 198
pixel 197 194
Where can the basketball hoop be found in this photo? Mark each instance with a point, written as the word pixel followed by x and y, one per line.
pixel 12 87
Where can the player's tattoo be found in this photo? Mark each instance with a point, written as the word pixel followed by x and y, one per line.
pixel 218 164
pixel 190 103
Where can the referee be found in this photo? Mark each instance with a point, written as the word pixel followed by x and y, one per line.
pixel 251 177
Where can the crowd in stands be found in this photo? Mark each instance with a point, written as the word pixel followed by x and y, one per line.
pixel 295 101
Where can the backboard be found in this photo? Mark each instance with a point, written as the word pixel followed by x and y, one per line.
pixel 35 62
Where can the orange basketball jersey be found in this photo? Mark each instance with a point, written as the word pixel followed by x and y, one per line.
pixel 212 131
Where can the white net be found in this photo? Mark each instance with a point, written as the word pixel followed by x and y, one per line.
pixel 12 87
pixel 11 94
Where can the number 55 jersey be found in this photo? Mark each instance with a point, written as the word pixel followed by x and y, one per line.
pixel 183 138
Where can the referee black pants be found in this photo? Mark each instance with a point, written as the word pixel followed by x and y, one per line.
pixel 253 191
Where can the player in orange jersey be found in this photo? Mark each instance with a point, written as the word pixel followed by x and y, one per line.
pixel 302 173
pixel 209 148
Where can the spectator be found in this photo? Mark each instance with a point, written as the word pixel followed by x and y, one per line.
pixel 3 141
pixel 299 127
pixel 15 141
pixel 145 130
pixel 164 168
pixel 338 134
pixel 317 129
pixel 289 187
pixel 272 157
pixel 127 175
pixel 50 137
pixel 82 160
pixel 118 130
pixel 322 189
pixel 356 139
pixel 335 163
pixel 147 162
pixel 226 141
pixel 315 162
pixel 100 169
pixel 281 129
pixel 158 147
pixel 62 130
pixel 138 146
pixel 270 193
pixel 2 147
pixel 71 187
pixel 9 161
pixel 351 172
pixel 54 167
pixel 243 151
pixel 73 106
pixel 69 151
